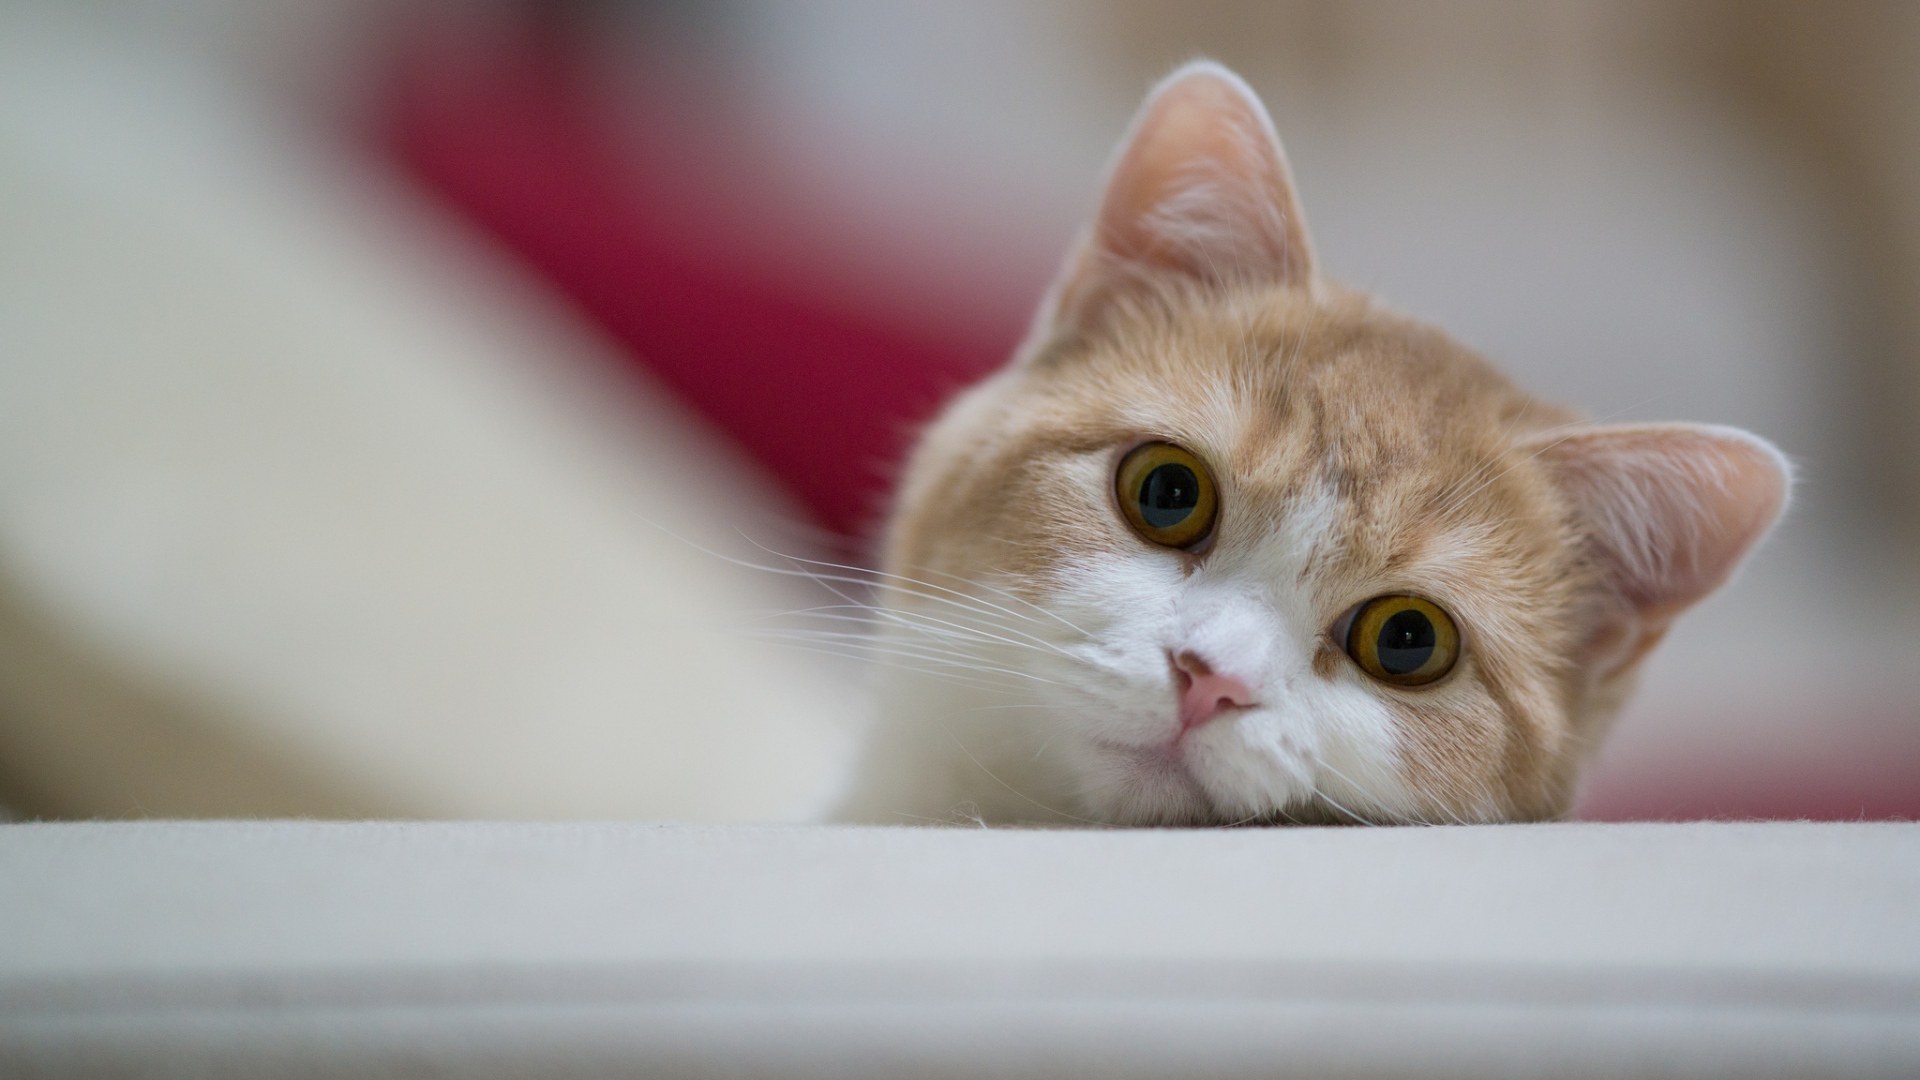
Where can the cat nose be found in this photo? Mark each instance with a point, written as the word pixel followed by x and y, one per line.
pixel 1204 692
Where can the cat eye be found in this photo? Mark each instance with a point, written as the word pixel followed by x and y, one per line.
pixel 1166 494
pixel 1402 640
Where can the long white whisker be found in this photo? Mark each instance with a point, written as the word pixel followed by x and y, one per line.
pixel 902 616
pixel 861 643
pixel 869 658
pixel 1344 778
pixel 894 614
pixel 978 608
pixel 1016 791
pixel 1495 478
pixel 1321 793
pixel 896 577
pixel 1056 617
pixel 1454 503
pixel 865 639
pixel 1447 493
pixel 823 579
pixel 880 620
pixel 957 658
pixel 1243 821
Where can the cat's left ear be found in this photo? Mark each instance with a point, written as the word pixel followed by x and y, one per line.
pixel 1200 188
pixel 1668 512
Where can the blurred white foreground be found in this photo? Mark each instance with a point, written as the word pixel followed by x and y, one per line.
pixel 308 506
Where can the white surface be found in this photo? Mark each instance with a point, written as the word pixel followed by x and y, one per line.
pixel 389 949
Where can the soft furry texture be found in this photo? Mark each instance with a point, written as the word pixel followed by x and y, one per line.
pixel 1032 637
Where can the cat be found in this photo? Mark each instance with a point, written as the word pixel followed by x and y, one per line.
pixel 1227 542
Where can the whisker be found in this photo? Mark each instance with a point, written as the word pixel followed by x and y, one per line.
pixel 866 657
pixel 957 658
pixel 1329 800
pixel 863 642
pixel 934 820
pixel 1016 791
pixel 1348 780
pixel 1321 793
pixel 874 615
pixel 895 614
pixel 902 617
pixel 860 644
pixel 1243 821
pixel 896 577
pixel 879 620
pixel 1446 493
pixel 1454 504
pixel 978 608
pixel 1009 595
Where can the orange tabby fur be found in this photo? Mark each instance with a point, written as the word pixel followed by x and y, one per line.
pixel 1356 452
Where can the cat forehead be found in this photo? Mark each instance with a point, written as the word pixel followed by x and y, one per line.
pixel 1345 437
pixel 1280 388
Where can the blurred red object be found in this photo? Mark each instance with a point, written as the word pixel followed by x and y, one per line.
pixel 826 394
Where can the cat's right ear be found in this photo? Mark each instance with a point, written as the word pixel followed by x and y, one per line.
pixel 1667 513
pixel 1199 187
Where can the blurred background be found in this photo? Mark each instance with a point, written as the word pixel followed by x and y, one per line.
pixel 392 392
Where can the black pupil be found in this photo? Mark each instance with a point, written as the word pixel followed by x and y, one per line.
pixel 1406 642
pixel 1168 495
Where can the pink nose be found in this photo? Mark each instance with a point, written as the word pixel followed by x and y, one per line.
pixel 1204 692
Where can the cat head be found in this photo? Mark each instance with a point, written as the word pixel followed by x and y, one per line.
pixel 1257 548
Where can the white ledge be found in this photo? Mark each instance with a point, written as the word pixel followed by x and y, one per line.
pixel 311 948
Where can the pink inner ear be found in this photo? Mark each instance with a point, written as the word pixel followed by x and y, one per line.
pixel 1201 187
pixel 1671 508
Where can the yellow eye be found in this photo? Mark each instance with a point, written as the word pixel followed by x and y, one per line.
pixel 1166 494
pixel 1402 640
